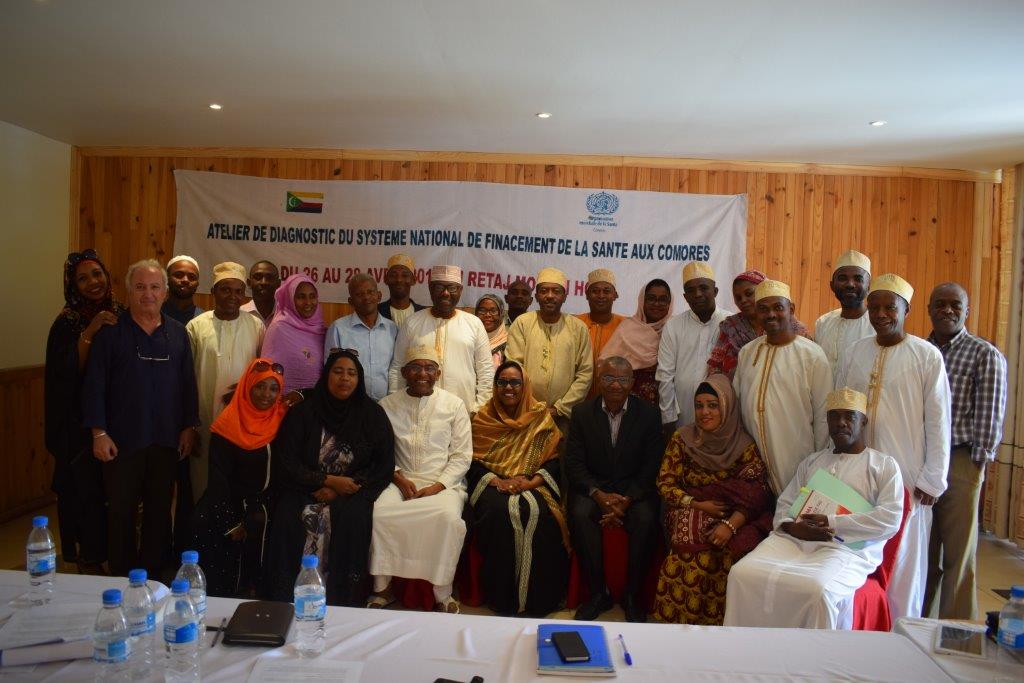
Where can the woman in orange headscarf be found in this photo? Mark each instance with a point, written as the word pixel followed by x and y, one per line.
pixel 231 518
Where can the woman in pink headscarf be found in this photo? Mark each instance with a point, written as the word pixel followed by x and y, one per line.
pixel 295 338
pixel 636 339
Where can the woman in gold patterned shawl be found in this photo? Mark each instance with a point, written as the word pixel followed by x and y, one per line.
pixel 518 517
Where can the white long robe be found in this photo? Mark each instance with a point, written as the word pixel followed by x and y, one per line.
pixel 422 538
pixel 782 392
pixel 467 368
pixel 789 583
pixel 683 353
pixel 836 335
pixel 909 419
pixel 221 351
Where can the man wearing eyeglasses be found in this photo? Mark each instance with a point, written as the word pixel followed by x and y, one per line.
pixel 139 399
pixel 459 338
pixel 612 458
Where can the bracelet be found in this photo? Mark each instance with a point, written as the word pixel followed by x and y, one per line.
pixel 87 341
pixel 729 524
pixel 96 436
pixel 687 501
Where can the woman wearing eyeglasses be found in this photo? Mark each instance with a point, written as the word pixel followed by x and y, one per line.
pixel 77 480
pixel 295 337
pixel 636 339
pixel 231 518
pixel 334 455
pixel 491 311
pixel 518 518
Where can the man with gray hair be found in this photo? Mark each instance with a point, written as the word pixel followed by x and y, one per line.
pixel 367 332
pixel 612 458
pixel 139 434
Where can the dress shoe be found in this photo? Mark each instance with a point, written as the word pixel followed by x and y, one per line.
pixel 592 608
pixel 634 612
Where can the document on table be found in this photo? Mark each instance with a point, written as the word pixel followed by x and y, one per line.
pixel 283 669
pixel 48 624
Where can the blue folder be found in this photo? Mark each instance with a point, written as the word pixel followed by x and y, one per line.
pixel 596 640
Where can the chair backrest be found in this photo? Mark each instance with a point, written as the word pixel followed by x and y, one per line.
pixel 883 573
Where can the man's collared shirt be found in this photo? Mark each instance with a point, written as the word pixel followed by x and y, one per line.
pixel 182 316
pixel 375 347
pixel 977 385
pixel 614 419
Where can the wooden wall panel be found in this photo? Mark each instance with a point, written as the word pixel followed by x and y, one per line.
pixel 945 226
pixel 26 468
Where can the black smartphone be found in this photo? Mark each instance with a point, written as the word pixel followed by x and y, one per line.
pixel 570 646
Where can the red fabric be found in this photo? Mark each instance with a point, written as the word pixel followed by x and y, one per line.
pixel 467 576
pixel 870 603
pixel 414 593
pixel 615 545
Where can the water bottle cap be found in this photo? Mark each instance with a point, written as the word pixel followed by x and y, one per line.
pixel 190 557
pixel 112 596
pixel 1017 592
pixel 137 576
pixel 41 520
pixel 310 561
pixel 180 586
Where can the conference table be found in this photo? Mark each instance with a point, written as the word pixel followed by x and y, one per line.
pixel 399 646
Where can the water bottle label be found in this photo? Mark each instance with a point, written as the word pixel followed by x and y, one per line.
pixel 1012 638
pixel 43 565
pixel 114 652
pixel 310 607
pixel 182 634
pixel 141 627
pixel 199 602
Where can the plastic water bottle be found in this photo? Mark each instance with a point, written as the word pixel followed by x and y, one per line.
pixel 1011 634
pixel 197 580
pixel 310 608
pixel 139 611
pixel 181 636
pixel 41 561
pixel 111 645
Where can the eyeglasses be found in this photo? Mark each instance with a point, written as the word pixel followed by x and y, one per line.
pixel 338 349
pixel 608 380
pixel 655 299
pixel 502 382
pixel 439 287
pixel 167 340
pixel 491 313
pixel 263 366
pixel 426 369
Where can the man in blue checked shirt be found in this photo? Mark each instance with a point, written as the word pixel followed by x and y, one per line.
pixel 977 383
pixel 367 332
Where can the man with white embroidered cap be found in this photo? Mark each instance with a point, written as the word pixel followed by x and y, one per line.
pixel 837 330
pixel 182 283
pixel 417 521
pixel 686 343
pixel 782 380
pixel 804 574
pixel 908 394
pixel 554 348
pixel 458 338
pixel 399 278
pixel 601 322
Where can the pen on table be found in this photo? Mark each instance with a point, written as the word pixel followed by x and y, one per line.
pixel 220 630
pixel 625 651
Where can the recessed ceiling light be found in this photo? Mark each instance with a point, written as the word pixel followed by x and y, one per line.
pixel 878 124
pixel 215 106
pixel 544 115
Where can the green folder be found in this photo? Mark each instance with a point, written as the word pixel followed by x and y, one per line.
pixel 839 491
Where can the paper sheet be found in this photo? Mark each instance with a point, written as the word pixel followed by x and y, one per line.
pixel 48 624
pixel 283 669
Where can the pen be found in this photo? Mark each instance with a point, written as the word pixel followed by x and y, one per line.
pixel 625 651
pixel 216 637
pixel 838 538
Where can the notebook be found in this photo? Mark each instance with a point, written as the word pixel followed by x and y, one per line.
pixel 827 495
pixel 596 640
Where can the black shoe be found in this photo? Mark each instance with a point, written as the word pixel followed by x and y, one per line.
pixel 634 612
pixel 592 608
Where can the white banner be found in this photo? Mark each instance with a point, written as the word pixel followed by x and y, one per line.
pixel 332 230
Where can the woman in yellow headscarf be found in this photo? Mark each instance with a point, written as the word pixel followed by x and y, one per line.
pixel 518 520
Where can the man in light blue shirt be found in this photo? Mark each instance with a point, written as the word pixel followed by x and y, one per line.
pixel 366 332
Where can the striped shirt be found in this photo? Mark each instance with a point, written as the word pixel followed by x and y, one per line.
pixel 977 383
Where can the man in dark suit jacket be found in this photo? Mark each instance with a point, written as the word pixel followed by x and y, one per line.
pixel 612 458
pixel 400 277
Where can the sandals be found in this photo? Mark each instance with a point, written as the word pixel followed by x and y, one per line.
pixel 380 600
pixel 449 606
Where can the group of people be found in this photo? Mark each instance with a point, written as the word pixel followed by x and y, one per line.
pixel 390 440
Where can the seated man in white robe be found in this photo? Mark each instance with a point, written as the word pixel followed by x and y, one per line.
pixel 805 573
pixel 417 521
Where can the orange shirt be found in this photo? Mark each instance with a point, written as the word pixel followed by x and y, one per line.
pixel 599 336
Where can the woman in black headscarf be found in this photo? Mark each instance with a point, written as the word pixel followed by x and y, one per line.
pixel 335 454
pixel 77 479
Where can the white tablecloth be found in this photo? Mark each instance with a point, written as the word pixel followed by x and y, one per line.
pixel 399 647
pixel 922 633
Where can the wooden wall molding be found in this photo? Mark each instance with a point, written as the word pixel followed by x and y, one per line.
pixel 548 159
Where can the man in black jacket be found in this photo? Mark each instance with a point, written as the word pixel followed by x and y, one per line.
pixel 612 458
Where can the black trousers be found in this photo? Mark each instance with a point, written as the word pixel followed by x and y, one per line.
pixel 640 523
pixel 81 507
pixel 184 509
pixel 146 476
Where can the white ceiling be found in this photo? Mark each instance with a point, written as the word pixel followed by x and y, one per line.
pixel 754 80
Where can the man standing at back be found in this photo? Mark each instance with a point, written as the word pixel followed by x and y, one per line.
pixel 837 330
pixel 600 321
pixel 182 283
pixel 518 298
pixel 367 332
pixel 905 381
pixel 399 278
pixel 977 384
pixel 686 343
pixel 264 279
